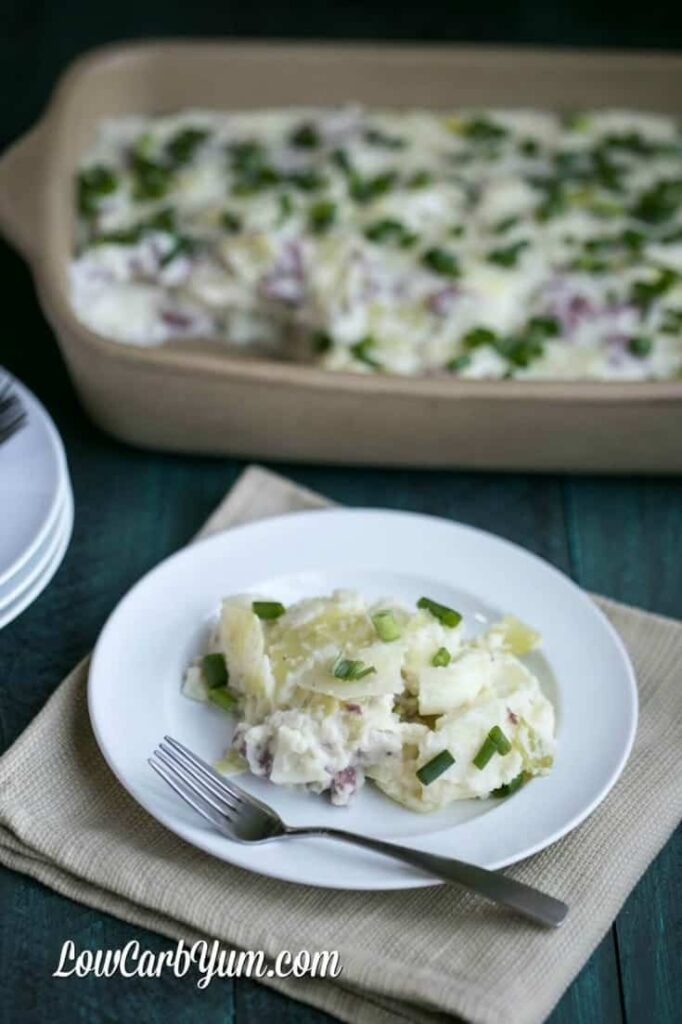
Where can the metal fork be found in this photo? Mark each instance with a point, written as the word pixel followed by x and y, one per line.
pixel 243 818
pixel 12 413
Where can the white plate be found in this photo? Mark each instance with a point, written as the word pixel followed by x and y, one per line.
pixel 52 558
pixel 34 568
pixel 134 687
pixel 33 482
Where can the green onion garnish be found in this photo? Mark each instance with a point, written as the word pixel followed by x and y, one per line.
pixel 544 326
pixel 511 787
pixel 321 342
pixel 478 336
pixel 485 753
pixel 482 129
pixel 458 364
pixel 347 668
pixel 364 190
pixel 306 136
pixel 420 179
pixel 386 626
pixel 362 350
pixel 390 231
pixel 640 346
pixel 151 180
pixel 377 137
pixel 268 609
pixel 231 222
pixel 308 180
pixel 508 256
pixel 441 658
pixel 495 743
pixel 434 768
pixel 214 670
pixel 94 183
pixel 501 742
pixel 448 616
pixel 321 216
pixel 223 698
pixel 182 147
pixel 441 262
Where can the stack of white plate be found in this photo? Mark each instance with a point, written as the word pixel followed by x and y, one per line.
pixel 37 507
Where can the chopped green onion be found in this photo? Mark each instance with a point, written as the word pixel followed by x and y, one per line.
pixel 93 183
pixel 268 609
pixel 672 321
pixel 487 751
pixel 420 179
pixel 231 222
pixel 364 190
pixel 500 740
pixel 434 768
pixel 441 658
pixel 182 147
pixel 508 256
pixel 306 136
pixel 151 180
pixel 495 743
pixel 181 245
pixel 505 225
pixel 481 129
pixel 644 293
pixel 341 159
pixel 286 207
pixel 546 326
pixel 223 699
pixel 511 787
pixel 478 336
pixel 307 180
pixel 448 616
pixel 521 351
pixel 659 203
pixel 322 342
pixel 347 668
pixel 377 137
pixel 529 147
pixel 441 262
pixel 321 216
pixel 640 346
pixel 458 364
pixel 391 231
pixel 386 626
pixel 214 670
pixel 362 351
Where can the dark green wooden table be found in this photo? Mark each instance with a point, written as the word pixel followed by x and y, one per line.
pixel 617 536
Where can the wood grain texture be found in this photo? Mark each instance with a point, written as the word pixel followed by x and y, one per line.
pixel 620 537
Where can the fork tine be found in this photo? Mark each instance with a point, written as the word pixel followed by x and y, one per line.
pixel 209 773
pixel 197 804
pixel 195 785
pixel 187 768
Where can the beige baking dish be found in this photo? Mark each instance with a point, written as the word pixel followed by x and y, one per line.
pixel 192 398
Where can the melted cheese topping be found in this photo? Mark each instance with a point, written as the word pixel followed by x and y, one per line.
pixel 480 244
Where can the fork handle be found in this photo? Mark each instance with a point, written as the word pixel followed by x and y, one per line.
pixel 530 903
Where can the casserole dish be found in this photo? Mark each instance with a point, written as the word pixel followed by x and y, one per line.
pixel 192 397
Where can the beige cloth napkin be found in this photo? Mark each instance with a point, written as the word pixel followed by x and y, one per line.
pixel 410 955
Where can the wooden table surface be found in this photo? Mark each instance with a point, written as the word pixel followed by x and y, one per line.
pixel 620 537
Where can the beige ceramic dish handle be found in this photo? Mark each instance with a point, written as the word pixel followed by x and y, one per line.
pixel 22 195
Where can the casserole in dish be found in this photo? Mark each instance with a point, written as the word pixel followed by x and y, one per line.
pixel 207 401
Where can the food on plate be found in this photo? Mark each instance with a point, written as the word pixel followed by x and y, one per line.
pixel 476 244
pixel 336 689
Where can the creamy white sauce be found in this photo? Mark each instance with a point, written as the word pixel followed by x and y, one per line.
pixel 379 241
